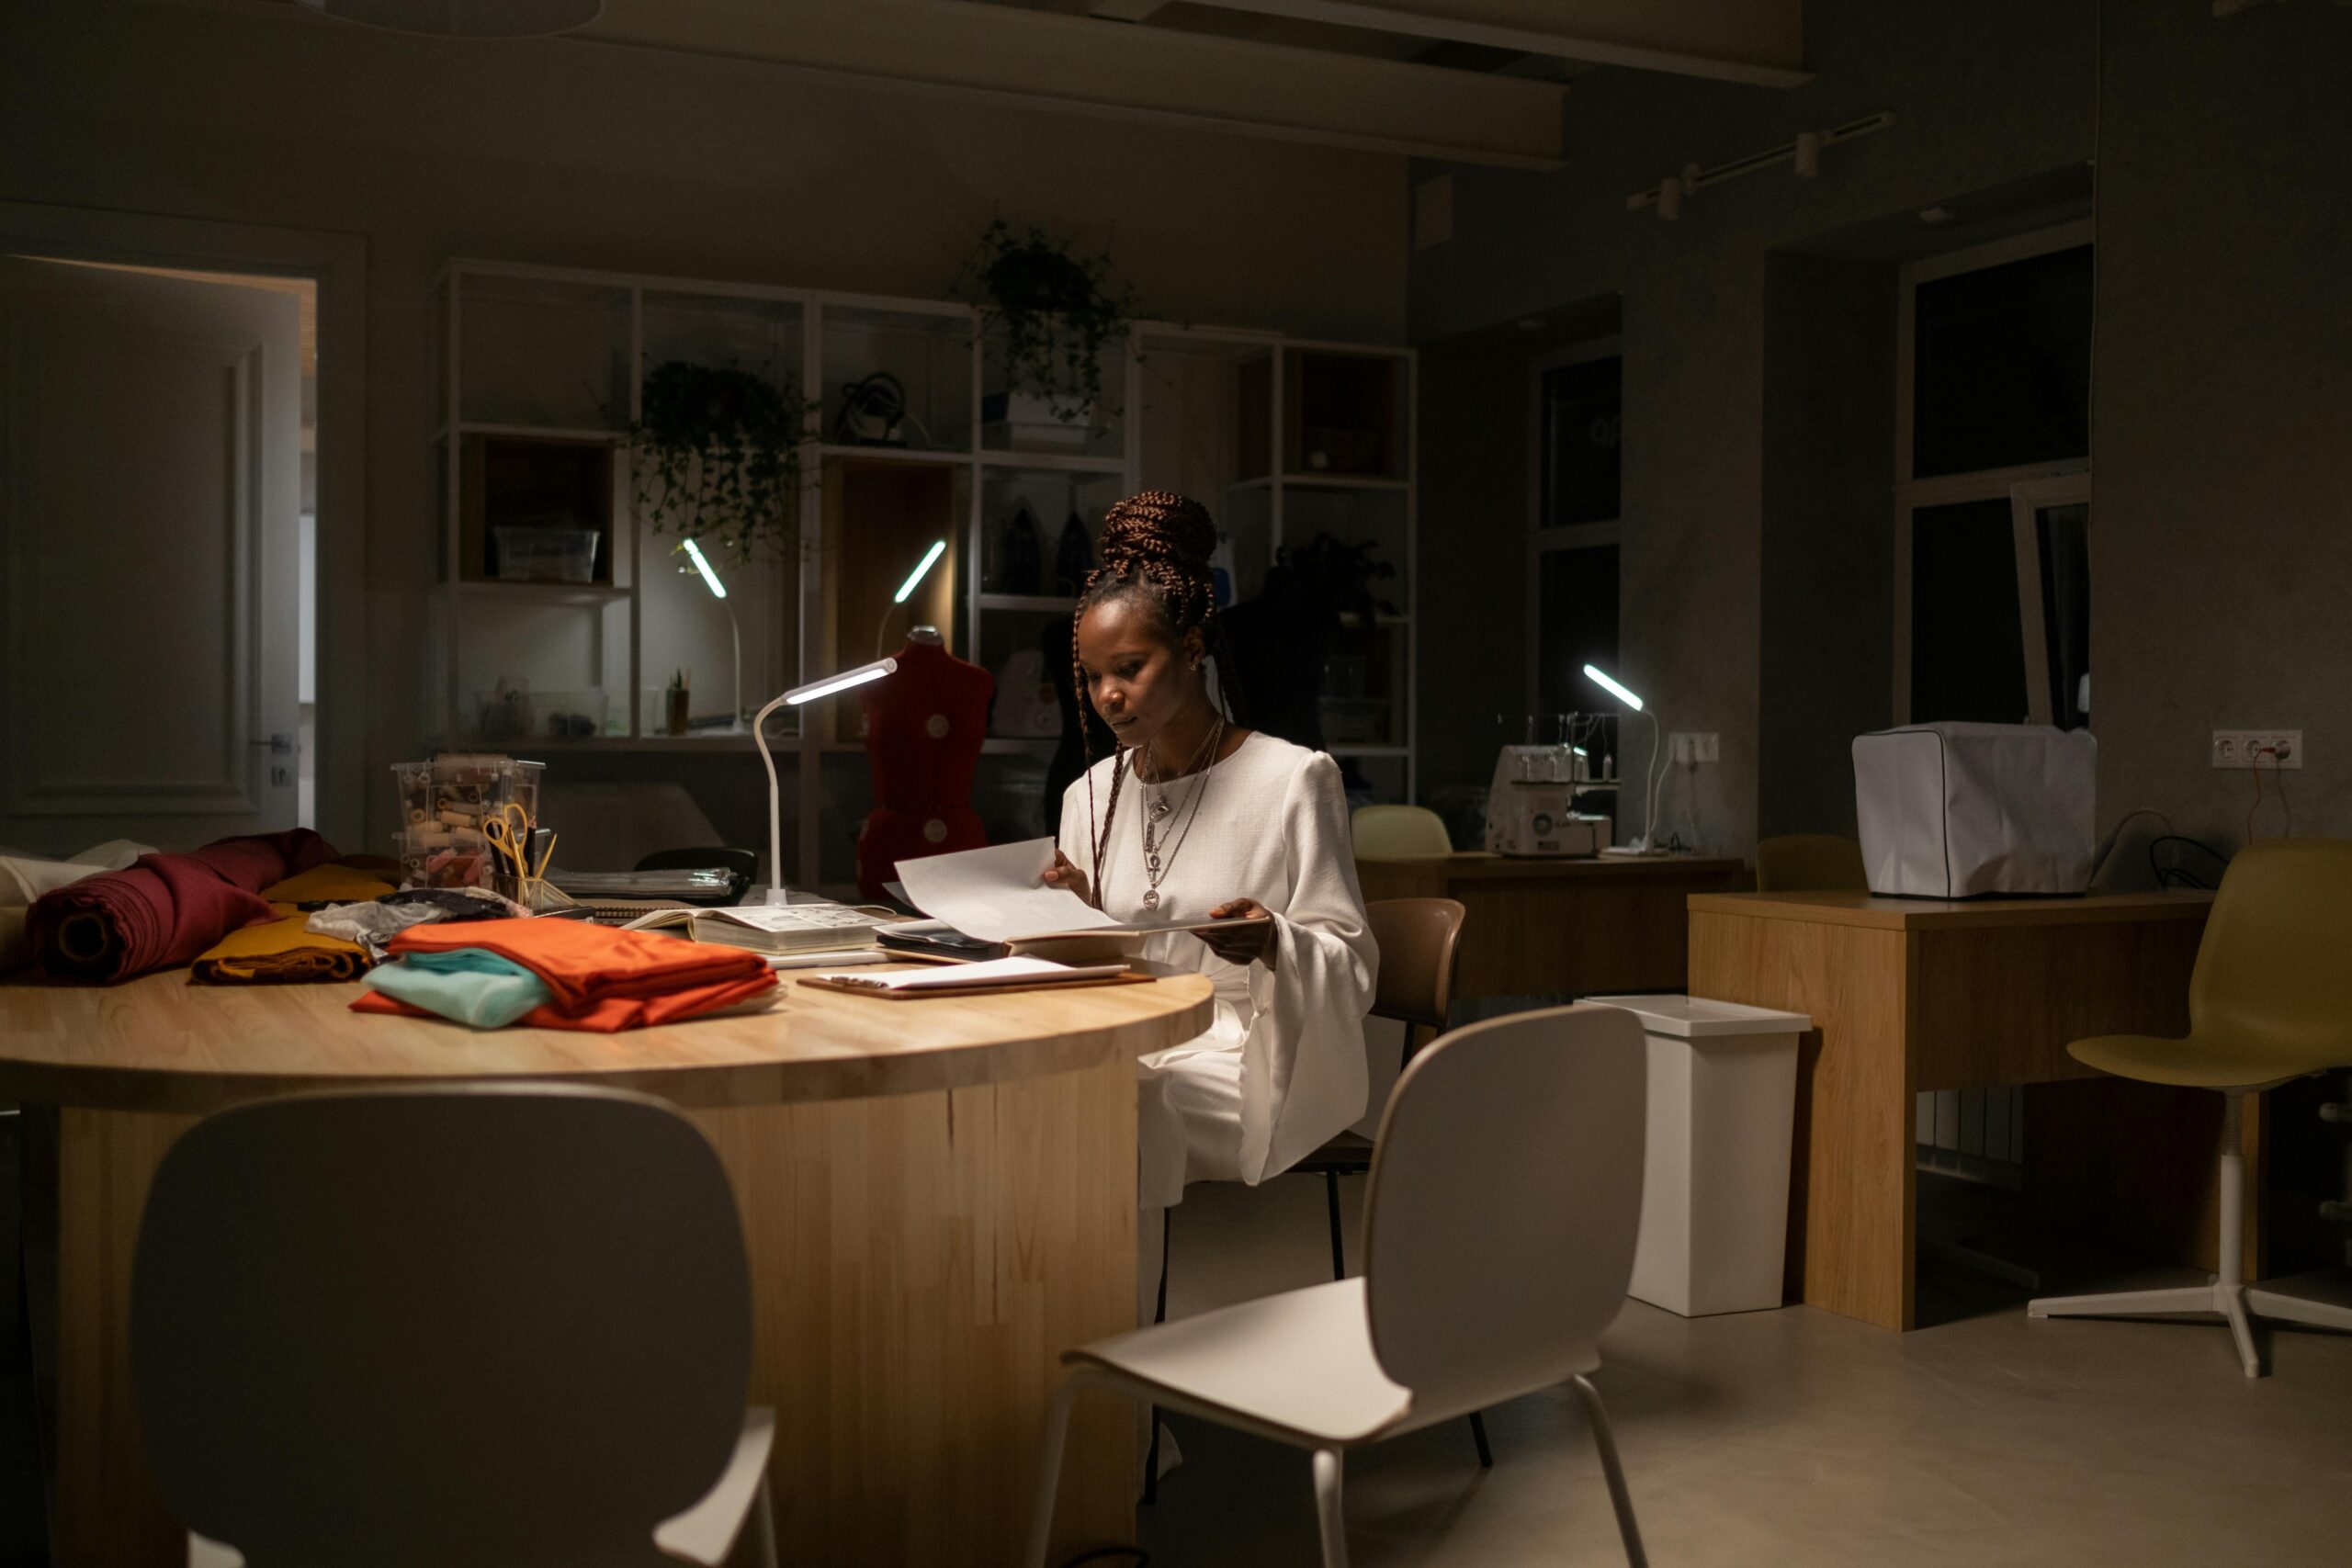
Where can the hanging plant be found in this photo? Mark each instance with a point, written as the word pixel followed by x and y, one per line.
pixel 716 458
pixel 1050 314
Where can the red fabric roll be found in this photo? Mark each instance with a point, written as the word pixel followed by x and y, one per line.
pixel 603 979
pixel 165 909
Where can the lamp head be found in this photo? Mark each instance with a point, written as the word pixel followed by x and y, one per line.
pixel 710 578
pixel 922 570
pixel 1612 688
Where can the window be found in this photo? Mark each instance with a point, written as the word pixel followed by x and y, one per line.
pixel 1993 491
pixel 1573 575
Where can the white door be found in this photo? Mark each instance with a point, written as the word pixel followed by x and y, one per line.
pixel 150 479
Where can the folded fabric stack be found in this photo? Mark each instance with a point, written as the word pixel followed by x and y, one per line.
pixel 165 909
pixel 593 978
pixel 286 951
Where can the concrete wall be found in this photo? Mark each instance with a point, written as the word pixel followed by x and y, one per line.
pixel 1759 351
pixel 591 155
pixel 1990 100
pixel 2222 409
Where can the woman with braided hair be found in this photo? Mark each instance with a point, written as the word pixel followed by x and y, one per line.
pixel 1194 816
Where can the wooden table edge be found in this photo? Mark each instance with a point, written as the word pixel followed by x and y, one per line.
pixel 1958 914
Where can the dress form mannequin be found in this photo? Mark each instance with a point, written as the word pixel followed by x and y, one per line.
pixel 924 730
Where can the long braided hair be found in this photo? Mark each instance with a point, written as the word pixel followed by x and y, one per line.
pixel 1155 548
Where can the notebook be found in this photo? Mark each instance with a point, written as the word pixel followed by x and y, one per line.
pixel 996 974
pixel 773 928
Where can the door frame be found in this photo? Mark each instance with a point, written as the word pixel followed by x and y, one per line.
pixel 338 264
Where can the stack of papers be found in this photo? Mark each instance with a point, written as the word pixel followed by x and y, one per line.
pixel 996 973
pixel 998 894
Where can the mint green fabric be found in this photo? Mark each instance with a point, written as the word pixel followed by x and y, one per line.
pixel 467 986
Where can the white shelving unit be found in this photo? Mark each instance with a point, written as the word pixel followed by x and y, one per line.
pixel 542 379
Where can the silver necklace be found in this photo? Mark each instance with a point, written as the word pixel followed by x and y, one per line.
pixel 1156 810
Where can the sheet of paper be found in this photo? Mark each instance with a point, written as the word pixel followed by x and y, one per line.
pixel 996 972
pixel 998 894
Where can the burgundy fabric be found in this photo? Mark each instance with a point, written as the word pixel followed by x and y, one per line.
pixel 920 778
pixel 165 909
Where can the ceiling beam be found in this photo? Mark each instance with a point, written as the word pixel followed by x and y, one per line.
pixel 1103 68
pixel 1756 41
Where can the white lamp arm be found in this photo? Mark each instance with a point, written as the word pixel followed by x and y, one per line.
pixel 775 804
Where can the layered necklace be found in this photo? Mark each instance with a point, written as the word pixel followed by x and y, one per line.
pixel 1159 809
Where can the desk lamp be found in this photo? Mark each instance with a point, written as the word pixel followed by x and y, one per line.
pixel 906 589
pixel 719 592
pixel 1647 843
pixel 796 697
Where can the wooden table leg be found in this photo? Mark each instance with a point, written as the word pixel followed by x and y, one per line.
pixel 919 1262
pixel 1853 1190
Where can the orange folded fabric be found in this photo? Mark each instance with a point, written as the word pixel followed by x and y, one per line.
pixel 601 979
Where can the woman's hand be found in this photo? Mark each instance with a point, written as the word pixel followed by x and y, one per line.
pixel 1242 944
pixel 1062 874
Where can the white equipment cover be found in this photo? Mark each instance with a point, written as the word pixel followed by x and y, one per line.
pixel 1964 810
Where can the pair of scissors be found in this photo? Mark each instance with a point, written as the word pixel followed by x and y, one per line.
pixel 509 832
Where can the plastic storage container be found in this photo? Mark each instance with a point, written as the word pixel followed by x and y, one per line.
pixel 547 554
pixel 1723 1084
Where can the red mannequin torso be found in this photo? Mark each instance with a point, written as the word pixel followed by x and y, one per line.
pixel 924 730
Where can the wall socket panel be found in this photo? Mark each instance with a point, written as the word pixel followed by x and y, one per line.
pixel 1684 746
pixel 2258 748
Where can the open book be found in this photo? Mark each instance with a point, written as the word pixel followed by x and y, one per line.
pixel 773 928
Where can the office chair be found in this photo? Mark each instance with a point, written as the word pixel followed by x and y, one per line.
pixel 468 1326
pixel 2269 1001
pixel 1499 1229
pixel 1382 832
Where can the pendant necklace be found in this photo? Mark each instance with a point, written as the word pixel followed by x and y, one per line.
pixel 1156 810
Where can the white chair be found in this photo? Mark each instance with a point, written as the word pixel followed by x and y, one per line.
pixel 1498 1238
pixel 488 1325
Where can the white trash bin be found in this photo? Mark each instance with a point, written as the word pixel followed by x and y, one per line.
pixel 1723 1086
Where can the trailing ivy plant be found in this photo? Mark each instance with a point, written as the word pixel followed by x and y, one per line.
pixel 1050 313
pixel 716 458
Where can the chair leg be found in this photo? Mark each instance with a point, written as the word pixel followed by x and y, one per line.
pixel 1478 1436
pixel 1339 1240
pixel 1329 1517
pixel 764 1512
pixel 2224 1293
pixel 1159 1314
pixel 1050 1479
pixel 2265 1303
pixel 1628 1528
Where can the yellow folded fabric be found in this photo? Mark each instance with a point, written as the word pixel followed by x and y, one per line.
pixel 278 953
pixel 329 884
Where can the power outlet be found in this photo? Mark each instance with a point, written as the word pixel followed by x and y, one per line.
pixel 1685 746
pixel 2258 748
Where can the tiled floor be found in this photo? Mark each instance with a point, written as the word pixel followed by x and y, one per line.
pixel 1797 1436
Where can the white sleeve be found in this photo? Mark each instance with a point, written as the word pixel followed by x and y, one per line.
pixel 1303 1061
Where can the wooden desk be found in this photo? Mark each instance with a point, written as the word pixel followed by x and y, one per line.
pixel 1908 994
pixel 937 1198
pixel 1540 928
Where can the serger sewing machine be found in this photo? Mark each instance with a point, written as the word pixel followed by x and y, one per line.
pixel 1532 804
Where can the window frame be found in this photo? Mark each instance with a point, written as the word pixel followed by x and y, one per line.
pixel 1983 484
pixel 1541 540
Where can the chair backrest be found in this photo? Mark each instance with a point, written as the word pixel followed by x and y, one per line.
pixel 1810 862
pixel 2275 962
pixel 1506 1196
pixel 1420 945
pixel 483 1325
pixel 1383 831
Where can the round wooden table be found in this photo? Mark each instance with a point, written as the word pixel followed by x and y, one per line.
pixel 938 1197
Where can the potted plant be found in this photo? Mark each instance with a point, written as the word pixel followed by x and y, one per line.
pixel 1050 315
pixel 714 458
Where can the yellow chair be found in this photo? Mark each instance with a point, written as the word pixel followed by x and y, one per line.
pixel 2269 1001
pixel 1810 862
pixel 1386 832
